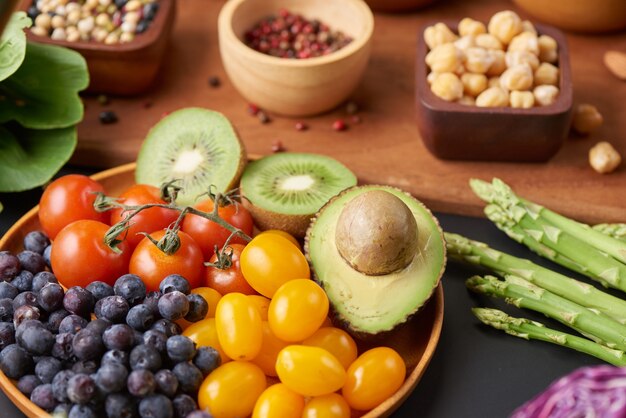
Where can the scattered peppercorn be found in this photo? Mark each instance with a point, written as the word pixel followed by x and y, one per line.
pixel 107 117
pixel 352 108
pixel 340 125
pixel 253 109
pixel 263 117
pixel 277 146
pixel 301 126
pixel 103 100
pixel 214 82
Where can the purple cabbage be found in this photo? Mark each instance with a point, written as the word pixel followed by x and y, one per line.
pixel 598 391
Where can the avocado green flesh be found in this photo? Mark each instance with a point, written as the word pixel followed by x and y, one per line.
pixel 373 304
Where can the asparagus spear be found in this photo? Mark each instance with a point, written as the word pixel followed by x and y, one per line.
pixel 523 294
pixel 584 294
pixel 617 231
pixel 499 193
pixel 531 330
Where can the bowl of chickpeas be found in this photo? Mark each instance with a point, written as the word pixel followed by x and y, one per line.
pixel 499 91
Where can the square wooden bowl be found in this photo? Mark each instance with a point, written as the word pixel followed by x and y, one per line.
pixel 454 131
pixel 122 69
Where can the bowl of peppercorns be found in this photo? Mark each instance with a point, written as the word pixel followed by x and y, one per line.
pixel 295 57
pixel 123 41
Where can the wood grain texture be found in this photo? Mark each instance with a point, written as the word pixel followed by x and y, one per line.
pixel 386 147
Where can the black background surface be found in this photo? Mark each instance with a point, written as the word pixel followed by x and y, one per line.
pixel 476 371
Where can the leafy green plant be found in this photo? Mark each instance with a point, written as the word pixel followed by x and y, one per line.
pixel 39 107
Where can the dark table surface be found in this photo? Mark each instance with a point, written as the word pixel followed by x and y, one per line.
pixel 476 371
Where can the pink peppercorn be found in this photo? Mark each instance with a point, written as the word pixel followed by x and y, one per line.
pixel 339 125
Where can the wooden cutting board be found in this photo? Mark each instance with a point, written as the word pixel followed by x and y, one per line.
pixel 386 147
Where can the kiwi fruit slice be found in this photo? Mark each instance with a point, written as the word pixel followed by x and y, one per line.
pixel 197 146
pixel 284 191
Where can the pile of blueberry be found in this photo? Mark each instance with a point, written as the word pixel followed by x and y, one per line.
pixel 131 361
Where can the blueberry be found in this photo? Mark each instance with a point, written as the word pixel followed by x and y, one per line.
pixel 207 359
pixel 120 3
pixel 120 405
pixel 15 362
pixel 55 318
pixel 31 261
pixel 87 345
pixel 138 337
pixel 46 255
pixel 46 368
pixel 131 288
pixel 166 382
pixel 62 409
pixel 81 388
pixel 107 117
pixel 145 357
pixel 7 290
pixel 59 385
pixel 173 305
pixel 112 308
pixel 167 327
pixel 42 397
pixel 62 348
pixel 141 383
pixel 118 336
pixel 23 282
pixel 79 301
pixel 152 301
pixel 142 26
pixel 33 12
pixel 36 241
pixel 174 282
pixel 149 10
pixel 100 289
pixel 140 317
pixel 72 324
pixel 7 334
pixel 156 406
pixel 82 411
pixel 198 308
pixel 183 405
pixel 85 367
pixel 98 325
pixel 6 310
pixel 41 279
pixel 115 357
pixel 25 312
pixel 180 348
pixel 111 377
pixel 189 377
pixel 28 383
pixel 156 339
pixel 50 298
pixel 34 337
pixel 25 298
pixel 9 266
pixel 199 414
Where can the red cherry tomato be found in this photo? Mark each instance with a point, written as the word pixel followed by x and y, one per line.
pixel 148 220
pixel 228 280
pixel 209 234
pixel 152 264
pixel 68 199
pixel 80 256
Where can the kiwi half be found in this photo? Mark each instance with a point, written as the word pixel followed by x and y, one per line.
pixel 197 146
pixel 284 191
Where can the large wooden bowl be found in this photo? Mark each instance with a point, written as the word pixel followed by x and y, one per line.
pixel 415 341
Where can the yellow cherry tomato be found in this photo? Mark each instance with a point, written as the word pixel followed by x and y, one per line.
pixel 283 234
pixel 266 359
pixel 270 260
pixel 204 334
pixel 211 296
pixel 262 303
pixel 278 401
pixel 332 405
pixel 231 390
pixel 338 343
pixel 238 323
pixel 309 371
pixel 297 310
pixel 373 377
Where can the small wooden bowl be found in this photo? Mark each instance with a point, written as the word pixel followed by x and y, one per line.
pixel 295 87
pixel 415 341
pixel 579 15
pixel 454 131
pixel 122 69
pixel 395 6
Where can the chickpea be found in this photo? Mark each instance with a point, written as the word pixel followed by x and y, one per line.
pixel 499 63
pixel 438 34
pixel 112 38
pixel 126 37
pixel 44 21
pixel 442 59
pixel 525 41
pixel 518 77
pixel 586 119
pixel 547 74
pixel 467 101
pixel 465 42
pixel 73 36
pixel 478 60
pixel 39 31
pixel 431 77
pixel 474 84
pixel 469 26
pixel 527 26
pixel 513 58
pixel 103 19
pixel 448 87
pixel 58 34
pixel 522 99
pixel 545 95
pixel 548 49
pixel 493 97
pixel 493 82
pixel 487 41
pixel 604 158
pixel 57 22
pixel 505 25
pixel 73 17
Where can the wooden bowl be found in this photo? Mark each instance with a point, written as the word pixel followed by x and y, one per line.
pixel 295 87
pixel 394 6
pixel 579 15
pixel 415 341
pixel 458 132
pixel 122 69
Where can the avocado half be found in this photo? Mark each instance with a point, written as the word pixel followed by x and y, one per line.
pixel 370 304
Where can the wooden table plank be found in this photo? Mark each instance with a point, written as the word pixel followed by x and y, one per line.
pixel 386 146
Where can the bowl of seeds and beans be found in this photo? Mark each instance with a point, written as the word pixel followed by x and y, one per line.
pixel 295 57
pixel 123 41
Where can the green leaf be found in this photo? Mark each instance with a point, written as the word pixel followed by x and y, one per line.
pixel 43 92
pixel 33 159
pixel 13 44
